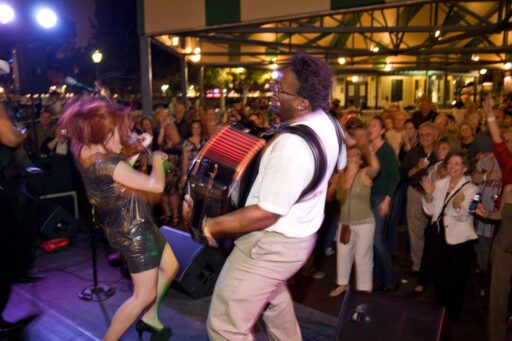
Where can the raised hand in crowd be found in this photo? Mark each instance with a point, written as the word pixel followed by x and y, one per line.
pixel 494 129
pixel 428 187
pixel 458 200
pixel 422 163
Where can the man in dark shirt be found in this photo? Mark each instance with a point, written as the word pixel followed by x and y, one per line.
pixel 424 114
pixel 10 251
pixel 413 168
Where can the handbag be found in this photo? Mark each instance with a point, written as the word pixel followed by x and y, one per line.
pixel 346 232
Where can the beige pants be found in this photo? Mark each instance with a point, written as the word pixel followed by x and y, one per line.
pixel 253 283
pixel 416 223
pixel 360 249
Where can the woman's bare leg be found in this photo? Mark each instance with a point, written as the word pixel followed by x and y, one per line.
pixel 144 293
pixel 166 272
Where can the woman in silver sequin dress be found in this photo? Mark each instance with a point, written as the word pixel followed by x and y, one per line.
pixel 99 131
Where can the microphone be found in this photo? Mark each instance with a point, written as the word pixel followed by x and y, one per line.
pixel 73 82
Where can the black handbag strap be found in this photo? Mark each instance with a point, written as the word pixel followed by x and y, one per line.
pixel 450 198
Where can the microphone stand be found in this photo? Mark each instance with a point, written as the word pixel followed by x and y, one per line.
pixel 95 292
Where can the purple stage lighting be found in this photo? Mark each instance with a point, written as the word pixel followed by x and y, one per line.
pixel 6 14
pixel 46 18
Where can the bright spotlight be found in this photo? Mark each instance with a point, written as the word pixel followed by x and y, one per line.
pixel 46 18
pixel 387 67
pixel 342 60
pixel 274 74
pixel 6 14
pixel 507 66
pixel 483 71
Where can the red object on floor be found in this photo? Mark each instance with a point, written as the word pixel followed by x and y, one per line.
pixel 54 244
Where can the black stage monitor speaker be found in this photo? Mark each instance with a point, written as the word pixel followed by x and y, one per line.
pixel 200 265
pixel 366 316
pixel 31 70
pixel 55 221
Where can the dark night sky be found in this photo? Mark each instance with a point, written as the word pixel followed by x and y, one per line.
pixel 79 11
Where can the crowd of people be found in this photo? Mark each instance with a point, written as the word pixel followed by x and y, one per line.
pixel 431 164
pixel 449 173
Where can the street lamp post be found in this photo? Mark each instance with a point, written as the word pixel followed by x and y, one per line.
pixel 97 57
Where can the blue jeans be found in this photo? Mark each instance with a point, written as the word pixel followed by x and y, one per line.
pixel 396 217
pixel 383 264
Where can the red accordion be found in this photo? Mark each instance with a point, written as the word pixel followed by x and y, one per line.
pixel 222 174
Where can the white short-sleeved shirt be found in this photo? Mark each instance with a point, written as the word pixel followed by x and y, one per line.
pixel 286 168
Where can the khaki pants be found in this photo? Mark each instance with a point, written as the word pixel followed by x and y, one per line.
pixel 501 275
pixel 416 223
pixel 253 283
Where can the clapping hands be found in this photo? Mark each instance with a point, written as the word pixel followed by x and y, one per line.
pixel 488 105
pixel 458 200
pixel 428 185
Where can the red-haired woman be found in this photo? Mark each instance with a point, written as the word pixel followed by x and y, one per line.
pixel 99 131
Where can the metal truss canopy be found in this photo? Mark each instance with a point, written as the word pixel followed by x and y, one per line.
pixel 445 35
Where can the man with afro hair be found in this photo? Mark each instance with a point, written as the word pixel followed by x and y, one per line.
pixel 277 226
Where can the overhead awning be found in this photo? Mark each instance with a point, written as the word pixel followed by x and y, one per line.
pixel 357 35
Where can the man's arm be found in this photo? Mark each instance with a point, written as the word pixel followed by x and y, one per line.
pixel 9 136
pixel 244 220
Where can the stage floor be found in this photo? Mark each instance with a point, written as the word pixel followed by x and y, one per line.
pixel 63 316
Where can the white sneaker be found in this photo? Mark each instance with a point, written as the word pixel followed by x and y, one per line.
pixel 329 251
pixel 318 275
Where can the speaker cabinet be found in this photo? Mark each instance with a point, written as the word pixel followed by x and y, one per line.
pixel 200 265
pixel 366 316
pixel 55 221
pixel 31 70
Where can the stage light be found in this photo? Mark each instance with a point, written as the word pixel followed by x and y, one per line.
pixel 46 18
pixel 387 67
pixel 274 74
pixel 6 14
pixel 507 66
pixel 240 69
pixel 97 57
pixel 342 60
pixel 375 49
pixel 483 71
